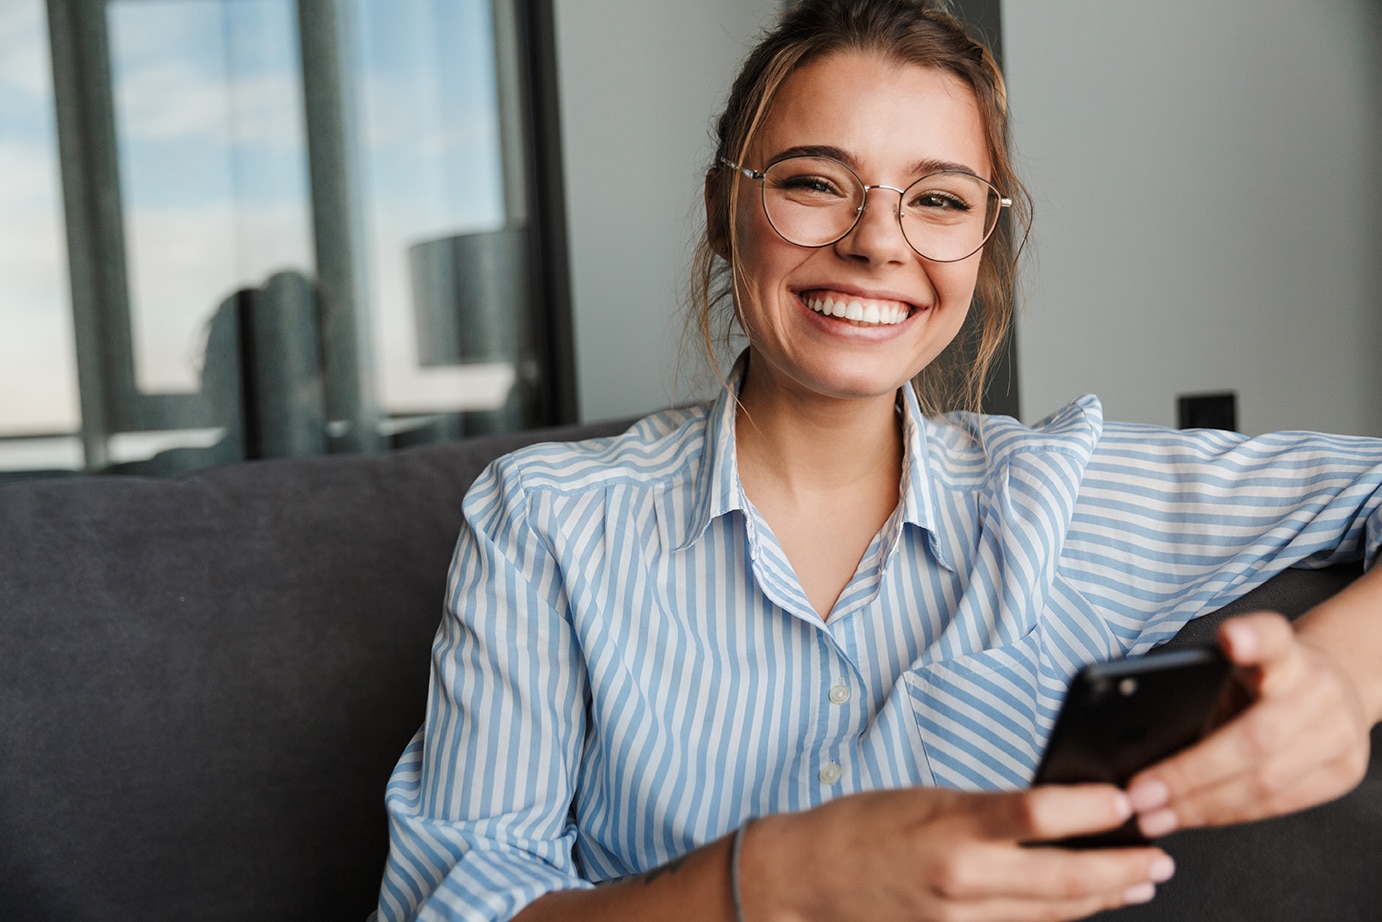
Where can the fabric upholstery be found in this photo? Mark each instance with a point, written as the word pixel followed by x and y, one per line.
pixel 206 681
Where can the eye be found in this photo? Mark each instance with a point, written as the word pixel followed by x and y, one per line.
pixel 808 185
pixel 811 182
pixel 937 200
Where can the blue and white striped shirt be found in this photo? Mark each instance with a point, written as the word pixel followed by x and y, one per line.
pixel 628 668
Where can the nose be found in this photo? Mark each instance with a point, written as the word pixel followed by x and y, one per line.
pixel 877 231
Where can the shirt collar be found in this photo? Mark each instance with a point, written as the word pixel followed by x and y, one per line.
pixel 718 490
pixel 918 487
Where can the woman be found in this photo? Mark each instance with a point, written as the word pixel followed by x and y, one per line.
pixel 817 605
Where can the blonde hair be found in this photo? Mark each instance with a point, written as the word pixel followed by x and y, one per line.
pixel 907 32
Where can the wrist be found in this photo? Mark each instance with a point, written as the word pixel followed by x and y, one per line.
pixel 1348 628
pixel 736 848
pixel 767 887
pixel 1360 673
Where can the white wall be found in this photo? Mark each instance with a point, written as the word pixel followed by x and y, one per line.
pixel 640 82
pixel 1208 184
pixel 1208 177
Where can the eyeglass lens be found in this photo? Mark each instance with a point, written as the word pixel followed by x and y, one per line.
pixel 815 201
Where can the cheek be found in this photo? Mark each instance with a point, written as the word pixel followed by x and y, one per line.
pixel 762 257
pixel 955 282
pixel 751 227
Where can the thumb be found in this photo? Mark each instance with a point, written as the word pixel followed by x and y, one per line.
pixel 1262 644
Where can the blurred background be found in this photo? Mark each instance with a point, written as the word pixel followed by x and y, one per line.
pixel 254 228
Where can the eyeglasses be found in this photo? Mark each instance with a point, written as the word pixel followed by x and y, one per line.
pixel 815 201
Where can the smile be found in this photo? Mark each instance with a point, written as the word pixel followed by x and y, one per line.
pixel 859 310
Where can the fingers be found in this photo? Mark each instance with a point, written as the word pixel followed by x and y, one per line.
pixel 936 854
pixel 987 877
pixel 1008 909
pixel 1052 812
pixel 1300 743
pixel 1057 874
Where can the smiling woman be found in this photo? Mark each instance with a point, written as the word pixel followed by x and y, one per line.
pixel 794 652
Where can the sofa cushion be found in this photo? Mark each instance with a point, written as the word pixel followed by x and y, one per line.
pixel 207 680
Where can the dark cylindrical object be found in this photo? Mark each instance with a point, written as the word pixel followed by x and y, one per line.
pixel 472 298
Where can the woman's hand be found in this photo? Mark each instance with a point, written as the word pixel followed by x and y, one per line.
pixel 927 854
pixel 1301 741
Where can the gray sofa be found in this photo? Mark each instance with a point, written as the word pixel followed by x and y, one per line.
pixel 206 680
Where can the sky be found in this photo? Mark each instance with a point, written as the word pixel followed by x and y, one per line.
pixel 37 376
pixel 214 184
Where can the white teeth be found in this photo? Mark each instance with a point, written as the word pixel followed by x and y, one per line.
pixel 857 311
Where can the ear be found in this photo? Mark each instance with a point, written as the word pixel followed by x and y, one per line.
pixel 716 229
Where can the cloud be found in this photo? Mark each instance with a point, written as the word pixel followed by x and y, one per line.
pixel 24 65
pixel 207 73
pixel 32 242
pixel 174 101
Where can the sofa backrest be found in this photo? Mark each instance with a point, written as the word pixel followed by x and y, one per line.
pixel 205 681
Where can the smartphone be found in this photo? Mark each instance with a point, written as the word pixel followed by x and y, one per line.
pixel 1122 716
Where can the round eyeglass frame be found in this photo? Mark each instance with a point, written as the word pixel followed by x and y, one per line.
pixel 760 176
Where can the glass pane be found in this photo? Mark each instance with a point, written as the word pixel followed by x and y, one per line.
pixel 209 126
pixel 38 381
pixel 432 157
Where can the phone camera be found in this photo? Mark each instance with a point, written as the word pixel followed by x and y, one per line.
pixel 1127 687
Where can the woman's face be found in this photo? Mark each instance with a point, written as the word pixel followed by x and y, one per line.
pixel 892 123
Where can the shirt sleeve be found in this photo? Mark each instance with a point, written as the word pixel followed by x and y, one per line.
pixel 1170 524
pixel 479 804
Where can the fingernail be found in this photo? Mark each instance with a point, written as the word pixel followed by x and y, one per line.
pixel 1240 636
pixel 1123 803
pixel 1158 823
pixel 1149 795
pixel 1162 869
pixel 1142 893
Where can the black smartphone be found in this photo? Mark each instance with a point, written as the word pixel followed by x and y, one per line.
pixel 1119 717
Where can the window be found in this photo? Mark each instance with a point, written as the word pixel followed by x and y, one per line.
pixel 250 228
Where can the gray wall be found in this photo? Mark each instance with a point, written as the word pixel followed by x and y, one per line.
pixel 641 81
pixel 1208 208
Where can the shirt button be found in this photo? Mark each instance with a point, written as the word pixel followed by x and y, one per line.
pixel 830 773
pixel 839 694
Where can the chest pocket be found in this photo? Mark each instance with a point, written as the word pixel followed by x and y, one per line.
pixel 977 715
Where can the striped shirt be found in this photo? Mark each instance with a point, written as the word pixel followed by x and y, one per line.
pixel 628 667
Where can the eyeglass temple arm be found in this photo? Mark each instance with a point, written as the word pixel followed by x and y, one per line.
pixel 751 174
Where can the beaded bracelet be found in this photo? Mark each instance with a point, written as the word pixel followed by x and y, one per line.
pixel 735 847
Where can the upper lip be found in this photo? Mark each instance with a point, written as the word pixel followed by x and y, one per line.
pixel 859 291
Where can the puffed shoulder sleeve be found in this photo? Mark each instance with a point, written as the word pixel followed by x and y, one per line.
pixel 479 803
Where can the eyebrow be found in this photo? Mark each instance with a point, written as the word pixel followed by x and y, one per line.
pixel 919 168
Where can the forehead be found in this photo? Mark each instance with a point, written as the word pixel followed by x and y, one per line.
pixel 885 115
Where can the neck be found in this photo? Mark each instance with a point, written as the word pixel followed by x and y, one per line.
pixel 815 447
